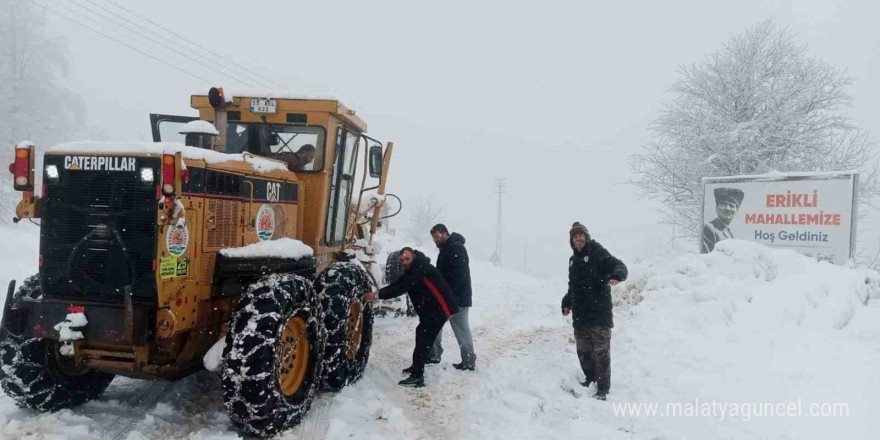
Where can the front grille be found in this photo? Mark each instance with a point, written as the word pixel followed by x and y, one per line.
pixel 224 232
pixel 98 231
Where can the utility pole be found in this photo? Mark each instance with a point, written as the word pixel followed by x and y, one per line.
pixel 496 258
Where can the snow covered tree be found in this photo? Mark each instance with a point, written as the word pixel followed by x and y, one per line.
pixel 422 217
pixel 34 105
pixel 758 104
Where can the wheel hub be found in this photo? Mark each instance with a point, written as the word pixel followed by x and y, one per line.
pixel 293 350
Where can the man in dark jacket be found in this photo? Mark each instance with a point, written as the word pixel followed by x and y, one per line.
pixel 432 300
pixel 591 272
pixel 453 264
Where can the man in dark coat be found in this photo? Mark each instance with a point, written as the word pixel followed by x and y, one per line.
pixel 433 301
pixel 727 202
pixel 592 271
pixel 453 264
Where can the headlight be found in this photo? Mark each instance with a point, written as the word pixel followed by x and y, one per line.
pixel 147 175
pixel 52 171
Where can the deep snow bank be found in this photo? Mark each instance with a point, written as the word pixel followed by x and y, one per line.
pixel 745 324
pixel 746 285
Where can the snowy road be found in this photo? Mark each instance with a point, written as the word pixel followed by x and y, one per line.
pixel 749 325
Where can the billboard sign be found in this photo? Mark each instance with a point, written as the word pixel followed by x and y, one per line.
pixel 812 213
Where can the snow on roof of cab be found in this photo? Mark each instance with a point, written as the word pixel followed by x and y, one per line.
pixel 260 164
pixel 231 93
pixel 24 144
pixel 200 127
pixel 280 248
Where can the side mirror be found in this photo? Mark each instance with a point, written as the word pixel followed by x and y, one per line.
pixel 375 161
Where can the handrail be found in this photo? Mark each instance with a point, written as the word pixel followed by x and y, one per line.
pixel 386 164
pixel 351 230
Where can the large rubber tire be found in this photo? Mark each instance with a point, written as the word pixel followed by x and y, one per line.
pixel 251 372
pixel 393 271
pixel 393 268
pixel 33 373
pixel 342 285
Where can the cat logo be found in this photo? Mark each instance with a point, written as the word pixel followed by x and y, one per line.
pixel 273 191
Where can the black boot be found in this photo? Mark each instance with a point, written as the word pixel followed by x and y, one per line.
pixel 463 366
pixel 587 382
pixel 413 381
pixel 408 370
pixel 600 395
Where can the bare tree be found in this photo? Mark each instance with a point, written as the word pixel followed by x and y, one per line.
pixel 35 105
pixel 758 104
pixel 423 216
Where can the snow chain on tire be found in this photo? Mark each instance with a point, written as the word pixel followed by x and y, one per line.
pixel 340 286
pixel 253 360
pixel 31 374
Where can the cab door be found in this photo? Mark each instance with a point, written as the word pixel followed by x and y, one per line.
pixel 166 128
pixel 341 185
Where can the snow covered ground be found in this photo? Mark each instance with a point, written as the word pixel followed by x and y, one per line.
pixel 744 325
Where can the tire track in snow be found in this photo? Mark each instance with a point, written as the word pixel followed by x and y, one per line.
pixel 435 408
pixel 139 401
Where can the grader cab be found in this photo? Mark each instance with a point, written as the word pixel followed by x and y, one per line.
pixel 226 243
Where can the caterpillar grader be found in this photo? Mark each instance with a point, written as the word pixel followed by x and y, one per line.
pixel 237 240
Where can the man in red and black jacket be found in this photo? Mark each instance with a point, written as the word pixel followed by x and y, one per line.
pixel 433 301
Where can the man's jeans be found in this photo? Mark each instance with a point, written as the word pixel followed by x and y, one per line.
pixel 462 330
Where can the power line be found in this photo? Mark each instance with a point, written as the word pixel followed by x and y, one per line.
pixel 160 43
pixel 179 69
pixel 217 59
pixel 244 68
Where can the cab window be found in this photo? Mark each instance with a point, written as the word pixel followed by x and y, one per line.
pixel 302 147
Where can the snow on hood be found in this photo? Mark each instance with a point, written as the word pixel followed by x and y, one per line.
pixel 260 164
pixel 200 127
pixel 280 248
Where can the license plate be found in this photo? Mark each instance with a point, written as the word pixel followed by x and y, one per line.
pixel 263 105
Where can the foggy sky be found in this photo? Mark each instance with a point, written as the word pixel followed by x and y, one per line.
pixel 552 96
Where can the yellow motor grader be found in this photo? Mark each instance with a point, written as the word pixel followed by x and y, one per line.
pixel 225 243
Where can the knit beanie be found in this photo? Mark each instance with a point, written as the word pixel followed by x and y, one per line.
pixel 576 228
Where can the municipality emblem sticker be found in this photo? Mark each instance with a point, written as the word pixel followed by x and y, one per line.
pixel 265 222
pixel 177 239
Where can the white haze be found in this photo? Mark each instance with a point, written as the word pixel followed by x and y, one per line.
pixel 552 96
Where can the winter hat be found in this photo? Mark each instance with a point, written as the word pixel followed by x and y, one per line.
pixel 576 228
pixel 732 195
